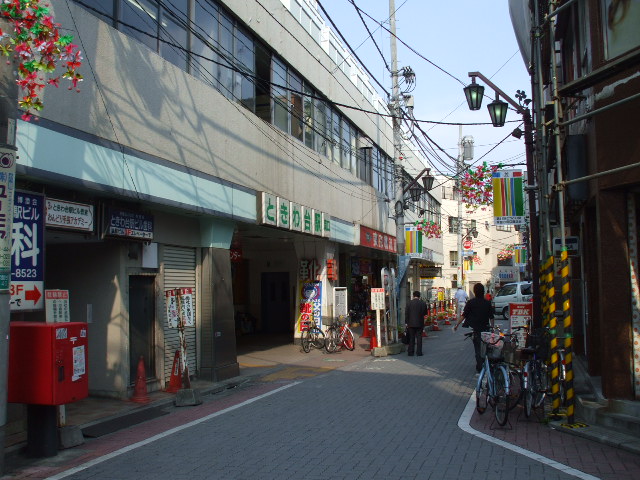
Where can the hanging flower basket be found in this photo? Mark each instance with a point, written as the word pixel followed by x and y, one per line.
pixel 39 48
pixel 429 228
pixel 476 187
pixel 506 253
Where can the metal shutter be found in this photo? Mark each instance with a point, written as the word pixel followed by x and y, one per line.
pixel 179 272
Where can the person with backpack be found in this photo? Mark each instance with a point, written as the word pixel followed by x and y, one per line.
pixel 477 315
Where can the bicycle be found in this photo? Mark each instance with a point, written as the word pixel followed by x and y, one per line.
pixel 339 335
pixel 535 370
pixel 493 382
pixel 311 336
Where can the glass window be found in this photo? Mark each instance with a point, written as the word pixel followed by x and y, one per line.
pixel 453 224
pixel 321 127
pixel 375 168
pixel 364 164
pixel 453 258
pixel 263 82
pixel 103 9
pixel 335 137
pixel 173 35
pixel 346 144
pixel 205 42
pixel 295 84
pixel 225 73
pixel 329 130
pixel 353 164
pixel 308 117
pixel 280 98
pixel 140 21
pixel 244 89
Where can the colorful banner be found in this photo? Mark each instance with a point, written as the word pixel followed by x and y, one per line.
pixel 413 240
pixel 520 255
pixel 508 197
pixel 309 304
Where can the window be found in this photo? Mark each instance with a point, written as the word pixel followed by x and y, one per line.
pixel 100 8
pixel 364 164
pixel 308 118
pixel 321 127
pixel 225 72
pixel 263 79
pixel 140 21
pixel 205 41
pixel 295 85
pixel 503 228
pixel 173 34
pixel 453 224
pixel 353 165
pixel 243 87
pixel 453 258
pixel 505 263
pixel 346 144
pixel 280 98
pixel 335 137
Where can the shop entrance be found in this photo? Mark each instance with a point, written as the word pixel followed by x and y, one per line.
pixel 141 321
pixel 276 303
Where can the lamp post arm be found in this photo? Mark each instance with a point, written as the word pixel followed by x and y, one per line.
pixel 414 181
pixel 509 100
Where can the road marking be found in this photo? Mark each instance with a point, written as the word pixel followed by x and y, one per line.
pixel 142 443
pixel 464 422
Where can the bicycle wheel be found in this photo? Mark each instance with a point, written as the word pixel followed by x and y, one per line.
pixel 501 407
pixel 331 340
pixel 482 392
pixel 527 394
pixel 516 391
pixel 317 338
pixel 347 339
pixel 539 383
pixel 305 341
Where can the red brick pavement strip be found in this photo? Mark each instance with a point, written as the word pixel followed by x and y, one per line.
pixel 590 457
pixel 96 448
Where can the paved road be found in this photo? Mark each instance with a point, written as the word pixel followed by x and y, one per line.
pixel 393 417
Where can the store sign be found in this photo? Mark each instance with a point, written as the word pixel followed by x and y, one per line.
pixel 378 240
pixel 7 186
pixel 122 223
pixel 572 245
pixel 69 215
pixel 57 306
pixel 430 272
pixel 280 212
pixel 27 252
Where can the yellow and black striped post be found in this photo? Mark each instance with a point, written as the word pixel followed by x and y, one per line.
pixel 554 363
pixel 568 337
pixel 546 268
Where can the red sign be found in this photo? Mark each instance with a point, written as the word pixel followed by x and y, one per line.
pixel 378 240
pixel 467 244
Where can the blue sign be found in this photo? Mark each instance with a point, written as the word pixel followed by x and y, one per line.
pixel 27 251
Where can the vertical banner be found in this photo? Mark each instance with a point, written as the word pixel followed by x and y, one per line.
pixel 27 252
pixel 310 303
pixel 508 197
pixel 7 186
pixel 413 240
pixel 520 255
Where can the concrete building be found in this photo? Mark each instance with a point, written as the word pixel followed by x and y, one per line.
pixel 233 149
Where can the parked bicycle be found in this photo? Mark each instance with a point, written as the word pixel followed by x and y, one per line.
pixel 535 370
pixel 493 387
pixel 339 335
pixel 311 336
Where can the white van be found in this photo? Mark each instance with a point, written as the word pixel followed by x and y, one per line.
pixel 511 293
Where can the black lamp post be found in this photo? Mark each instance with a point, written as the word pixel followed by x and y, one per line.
pixel 498 113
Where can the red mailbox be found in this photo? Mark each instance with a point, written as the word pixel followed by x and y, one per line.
pixel 47 363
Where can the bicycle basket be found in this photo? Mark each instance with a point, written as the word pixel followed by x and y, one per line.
pixel 509 352
pixel 491 345
pixel 539 340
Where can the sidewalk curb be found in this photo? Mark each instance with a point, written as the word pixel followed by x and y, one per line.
pixel 606 436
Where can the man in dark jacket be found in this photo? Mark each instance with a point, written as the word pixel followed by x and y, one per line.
pixel 416 310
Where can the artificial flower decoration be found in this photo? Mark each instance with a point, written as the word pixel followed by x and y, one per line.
pixel 39 48
pixel 506 253
pixel 429 228
pixel 476 259
pixel 476 187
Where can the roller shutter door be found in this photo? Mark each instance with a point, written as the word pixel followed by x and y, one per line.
pixel 179 272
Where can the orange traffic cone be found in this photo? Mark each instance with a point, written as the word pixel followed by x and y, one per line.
pixel 446 320
pixel 175 381
pixel 373 343
pixel 435 327
pixel 140 392
pixel 366 327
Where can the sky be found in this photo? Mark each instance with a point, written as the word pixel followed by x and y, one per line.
pixel 458 36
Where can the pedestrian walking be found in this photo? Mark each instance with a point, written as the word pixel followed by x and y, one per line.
pixel 416 310
pixel 478 315
pixel 461 299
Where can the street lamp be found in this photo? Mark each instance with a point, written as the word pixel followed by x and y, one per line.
pixel 498 112
pixel 474 93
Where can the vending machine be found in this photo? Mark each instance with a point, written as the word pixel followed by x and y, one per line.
pixel 47 363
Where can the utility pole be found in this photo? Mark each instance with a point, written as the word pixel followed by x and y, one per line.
pixel 397 155
pixel 8 99
pixel 459 165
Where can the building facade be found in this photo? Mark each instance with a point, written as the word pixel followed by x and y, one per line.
pixel 233 150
